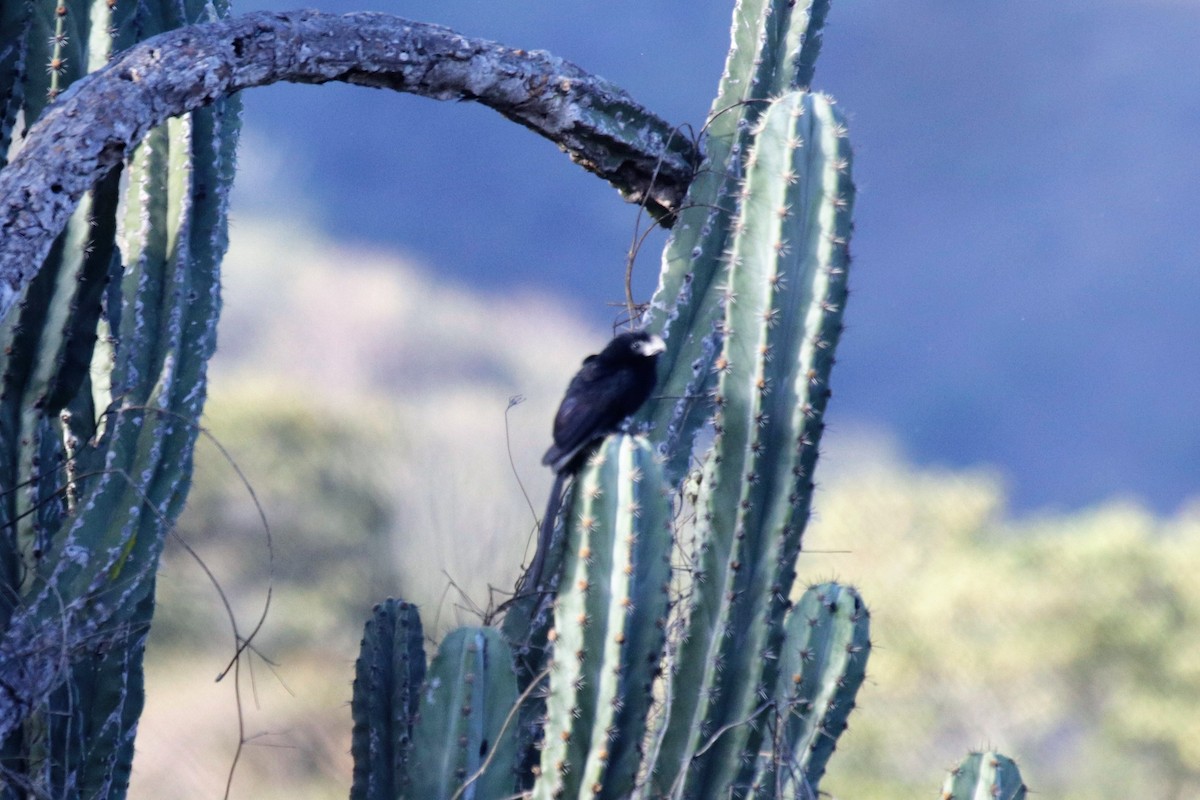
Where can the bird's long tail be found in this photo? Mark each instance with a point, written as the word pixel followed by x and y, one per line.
pixel 531 582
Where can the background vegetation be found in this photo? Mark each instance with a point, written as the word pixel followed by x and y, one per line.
pixel 1065 640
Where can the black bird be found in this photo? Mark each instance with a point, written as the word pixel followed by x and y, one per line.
pixel 610 386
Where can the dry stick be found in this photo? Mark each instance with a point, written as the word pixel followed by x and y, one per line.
pixel 678 785
pixel 635 310
pixel 242 643
pixel 635 245
pixel 493 610
pixel 513 402
pixel 91 127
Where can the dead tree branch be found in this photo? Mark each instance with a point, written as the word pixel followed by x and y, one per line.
pixel 92 126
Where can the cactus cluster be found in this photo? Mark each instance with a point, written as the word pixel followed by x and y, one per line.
pixel 668 655
pixel 635 684
pixel 750 694
pixel 102 385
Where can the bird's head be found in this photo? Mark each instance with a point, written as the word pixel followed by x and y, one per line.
pixel 635 345
pixel 647 344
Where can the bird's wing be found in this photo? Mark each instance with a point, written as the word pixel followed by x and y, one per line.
pixel 590 408
pixel 583 407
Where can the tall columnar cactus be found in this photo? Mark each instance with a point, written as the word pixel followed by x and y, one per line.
pixel 102 386
pixel 783 297
pixel 774 49
pixel 609 621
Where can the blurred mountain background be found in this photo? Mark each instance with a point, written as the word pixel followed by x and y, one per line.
pixel 1026 250
pixel 1010 470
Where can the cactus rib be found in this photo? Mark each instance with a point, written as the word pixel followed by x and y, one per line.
pixel 985 776
pixel 609 624
pixel 783 303
pixel 467 699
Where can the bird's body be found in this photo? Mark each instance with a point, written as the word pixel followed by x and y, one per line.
pixel 609 387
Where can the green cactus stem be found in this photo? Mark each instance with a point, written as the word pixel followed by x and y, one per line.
pixel 387 682
pixel 89 743
pixel 823 663
pixel 984 776
pixel 610 618
pixel 783 304
pixel 774 49
pixel 464 739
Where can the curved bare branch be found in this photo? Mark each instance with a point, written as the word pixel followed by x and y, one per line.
pixel 92 125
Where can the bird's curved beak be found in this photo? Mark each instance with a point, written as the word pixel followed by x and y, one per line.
pixel 653 346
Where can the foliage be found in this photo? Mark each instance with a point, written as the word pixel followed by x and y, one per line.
pixel 321 499
pixel 1070 642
